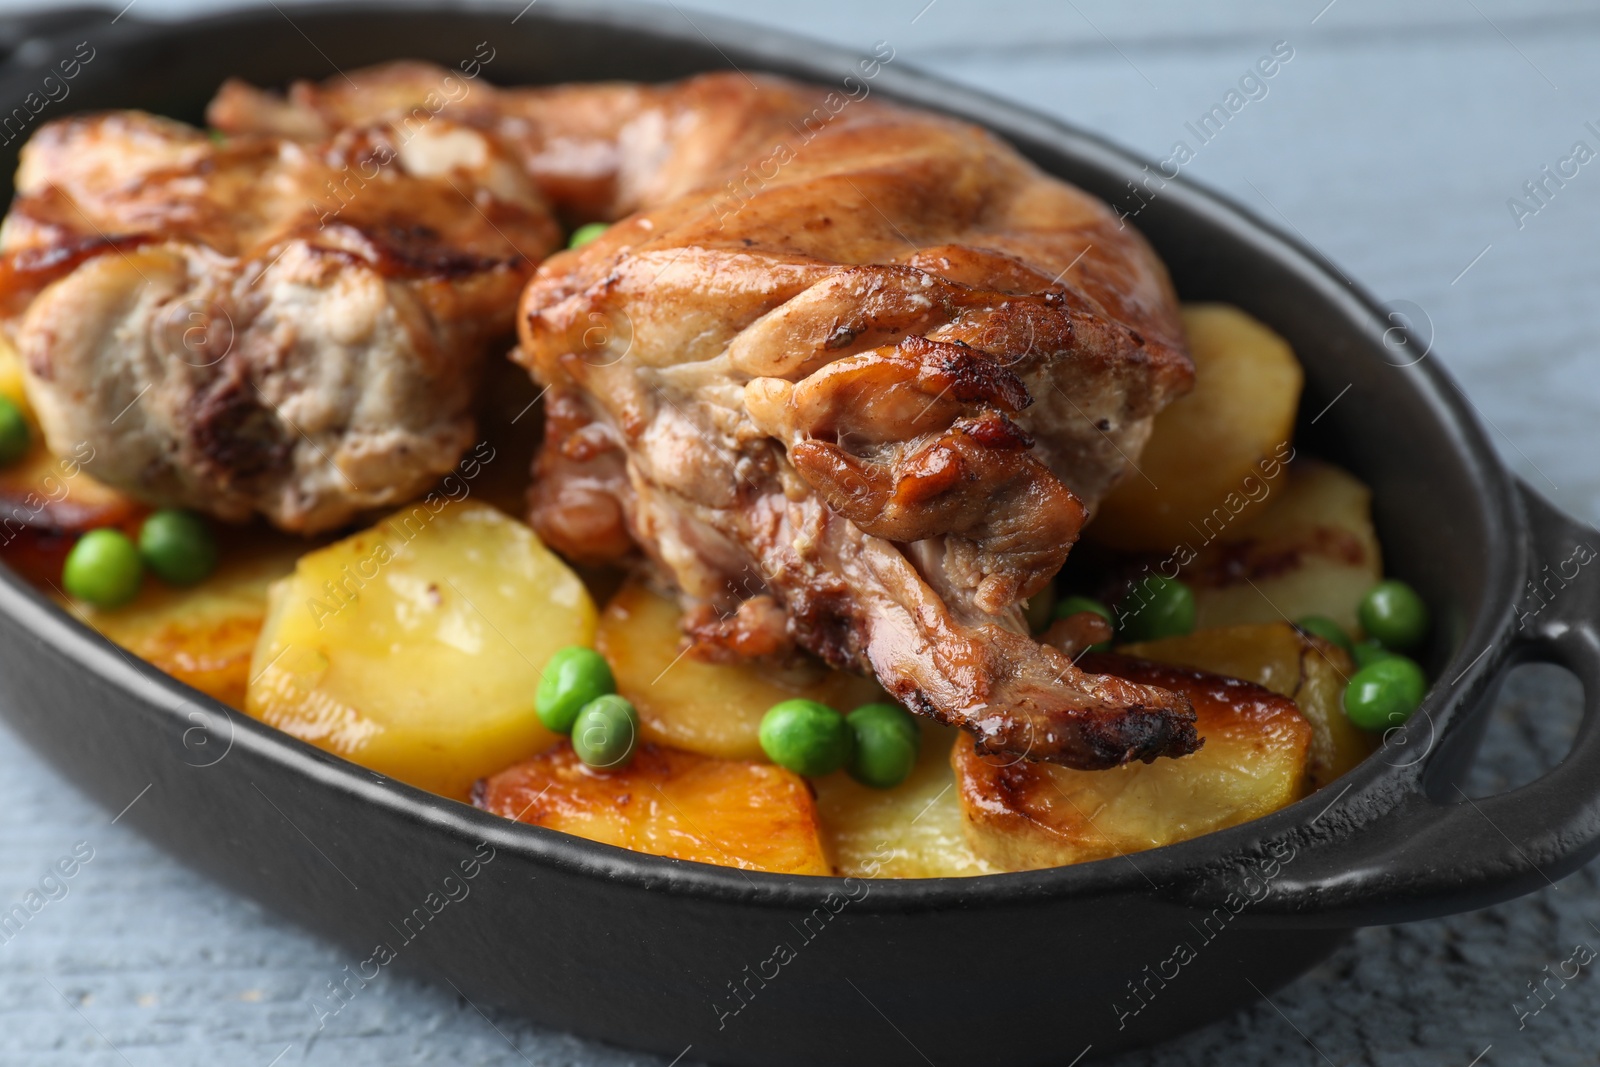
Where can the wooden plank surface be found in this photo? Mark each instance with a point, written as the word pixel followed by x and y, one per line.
pixel 1392 142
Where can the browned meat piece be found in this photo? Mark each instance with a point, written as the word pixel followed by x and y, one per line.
pixel 852 370
pixel 262 325
pixel 881 388
pixel 597 150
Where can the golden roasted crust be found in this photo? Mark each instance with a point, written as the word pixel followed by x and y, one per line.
pixel 1021 815
pixel 261 325
pixel 877 373
pixel 737 813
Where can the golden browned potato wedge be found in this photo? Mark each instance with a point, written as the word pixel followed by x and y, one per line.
pixel 1022 815
pixel 414 647
pixel 911 831
pixel 734 813
pixel 1291 663
pixel 1311 550
pixel 1212 453
pixel 11 377
pixel 711 708
pixel 204 636
pixel 52 494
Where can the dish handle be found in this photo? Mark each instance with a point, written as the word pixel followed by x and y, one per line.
pixel 1418 847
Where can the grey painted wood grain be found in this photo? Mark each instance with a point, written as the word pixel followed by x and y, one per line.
pixel 1391 142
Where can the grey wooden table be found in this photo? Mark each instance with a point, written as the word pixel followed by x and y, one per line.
pixel 1394 141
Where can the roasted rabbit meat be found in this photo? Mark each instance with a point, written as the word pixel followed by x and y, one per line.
pixel 863 403
pixel 262 325
pixel 851 376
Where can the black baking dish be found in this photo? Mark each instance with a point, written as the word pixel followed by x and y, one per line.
pixel 663 955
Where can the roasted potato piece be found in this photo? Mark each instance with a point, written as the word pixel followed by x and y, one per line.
pixel 414 647
pixel 1291 663
pixel 204 636
pixel 1311 550
pixel 1210 451
pixel 711 708
pixel 911 831
pixel 715 709
pixel 1022 815
pixel 11 377
pixel 52 495
pixel 734 813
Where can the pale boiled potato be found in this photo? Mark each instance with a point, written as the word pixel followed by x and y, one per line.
pixel 205 635
pixel 414 648
pixel 1209 451
pixel 1310 550
pixel 733 813
pixel 1277 656
pixel 1021 815
pixel 711 708
pixel 914 830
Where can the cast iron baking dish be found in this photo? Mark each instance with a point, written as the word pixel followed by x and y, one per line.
pixel 661 954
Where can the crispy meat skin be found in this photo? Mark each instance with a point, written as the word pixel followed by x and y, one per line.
pixel 854 372
pixel 263 325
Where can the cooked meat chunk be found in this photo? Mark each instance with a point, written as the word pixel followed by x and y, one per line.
pixel 853 371
pixel 879 381
pixel 264 325
pixel 597 150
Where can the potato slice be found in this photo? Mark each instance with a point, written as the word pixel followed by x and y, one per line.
pixel 1275 655
pixel 1311 550
pixel 1210 451
pixel 711 708
pixel 734 813
pixel 414 647
pixel 204 636
pixel 911 831
pixel 52 494
pixel 1022 815
pixel 11 377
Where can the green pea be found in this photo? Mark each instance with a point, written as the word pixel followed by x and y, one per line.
pixel 1394 615
pixel 103 569
pixel 15 437
pixel 1157 607
pixel 1385 693
pixel 178 546
pixel 606 732
pixel 586 233
pixel 806 737
pixel 886 743
pixel 1325 628
pixel 572 678
pixel 1369 652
